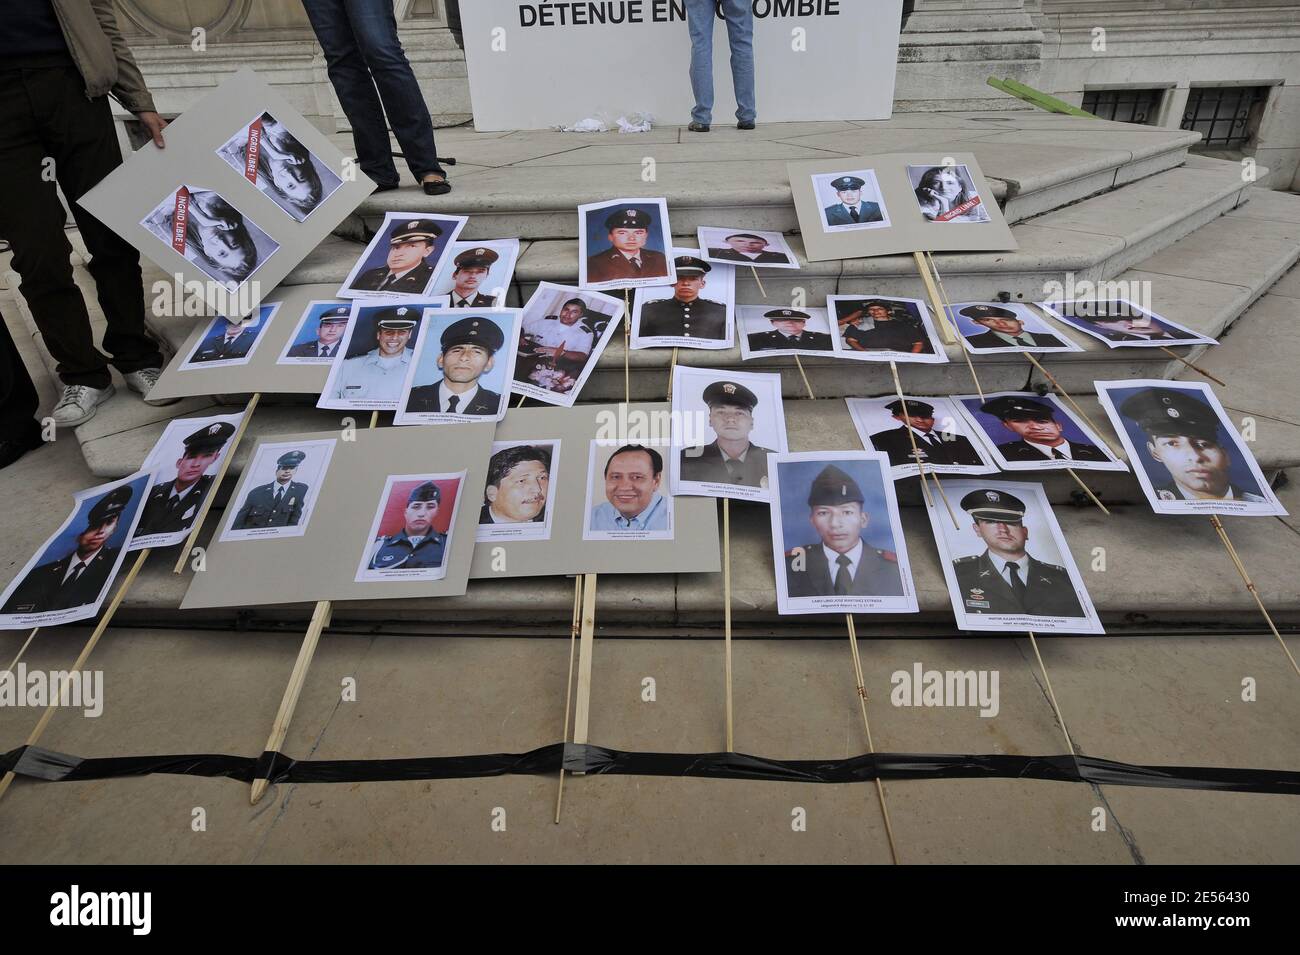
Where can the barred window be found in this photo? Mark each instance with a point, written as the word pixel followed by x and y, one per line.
pixel 1226 116
pixel 1124 106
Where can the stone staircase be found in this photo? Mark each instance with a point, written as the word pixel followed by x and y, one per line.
pixel 1104 201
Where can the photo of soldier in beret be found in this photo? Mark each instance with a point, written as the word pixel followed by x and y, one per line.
pixel 410 536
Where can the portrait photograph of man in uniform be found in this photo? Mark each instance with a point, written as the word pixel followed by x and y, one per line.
pixel 625 495
pixel 410 535
pixel 743 413
pixel 230 342
pixel 1028 431
pixel 477 274
pixel 1010 567
pixel 756 248
pixel 1120 323
pixel 1187 455
pixel 834 523
pixel 695 312
pixel 184 461
pixel 783 331
pixel 624 243
pixel 850 200
pixel 883 424
pixel 518 498
pixel 374 358
pixel 282 505
pixel 319 333
pixel 403 258
pixel 455 375
pixel 1011 327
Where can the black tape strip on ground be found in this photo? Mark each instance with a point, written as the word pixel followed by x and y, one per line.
pixel 37 763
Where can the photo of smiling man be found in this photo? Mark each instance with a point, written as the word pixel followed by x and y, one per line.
pixel 455 376
pixel 625 497
pixel 373 360
pixel 518 501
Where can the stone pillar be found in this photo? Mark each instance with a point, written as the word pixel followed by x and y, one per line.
pixel 949 48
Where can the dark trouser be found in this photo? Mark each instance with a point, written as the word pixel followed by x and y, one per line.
pixel 362 51
pixel 44 115
pixel 18 399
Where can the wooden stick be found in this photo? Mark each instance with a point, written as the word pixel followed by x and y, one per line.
pixel 1250 585
pixel 936 302
pixel 320 619
pixel 804 376
pixel 672 367
pixel 104 620
pixel 759 281
pixel 726 614
pixel 586 639
pixel 568 683
pixel 916 451
pixel 521 401
pixel 1197 368
pixel 1066 395
pixel 23 649
pixel 1051 694
pixel 374 420
pixel 216 483
pixel 1087 490
pixel 866 724
pixel 627 346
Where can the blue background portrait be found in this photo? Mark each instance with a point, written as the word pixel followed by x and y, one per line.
pixel 1034 325
pixel 307 334
pixel 598 235
pixel 427 372
pixel 363 338
pixel 218 328
pixel 796 480
pixel 1238 469
pixel 378 256
pixel 66 542
pixel 999 434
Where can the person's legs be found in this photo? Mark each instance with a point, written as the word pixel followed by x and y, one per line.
pixel 355 88
pixel 375 29
pixel 81 137
pixel 740 36
pixel 31 219
pixel 18 398
pixel 699 20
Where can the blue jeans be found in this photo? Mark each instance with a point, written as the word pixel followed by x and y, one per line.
pixel 362 52
pixel 740 35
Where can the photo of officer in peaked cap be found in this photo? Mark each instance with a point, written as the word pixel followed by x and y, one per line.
pixel 840 563
pixel 277 504
pixel 1040 437
pixel 226 340
pixel 171 506
pixel 686 314
pixel 748 249
pixel 78 577
pixel 788 332
pixel 850 210
pixel 1183 436
pixel 379 374
pixel 469 347
pixel 329 331
pixel 472 267
pixel 627 257
pixel 933 447
pixel 877 325
pixel 417 544
pixel 1005 329
pixel 1006 578
pixel 729 458
pixel 1121 322
pixel 407 270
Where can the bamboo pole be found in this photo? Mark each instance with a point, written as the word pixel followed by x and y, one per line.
pixel 866 725
pixel 568 684
pixel 1250 586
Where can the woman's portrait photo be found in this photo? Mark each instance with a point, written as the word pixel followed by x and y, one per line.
pixel 211 233
pixel 270 157
pixel 947 194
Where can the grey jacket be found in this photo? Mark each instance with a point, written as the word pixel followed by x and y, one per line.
pixel 101 55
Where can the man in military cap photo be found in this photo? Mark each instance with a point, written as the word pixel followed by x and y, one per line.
pixel 1040 437
pixel 872 325
pixel 1183 436
pixel 840 563
pixel 685 315
pixel 472 267
pixel 632 502
pixel 729 458
pixel 518 481
pixel 1120 322
pixel 748 249
pixel 277 504
pixel 379 374
pixel 933 447
pixel 229 339
pixel 408 271
pixel 171 506
pixel 329 330
pixel 560 341
pixel 1005 329
pixel 1006 578
pixel 77 578
pixel 851 210
pixel 788 332
pixel 417 544
pixel 469 347
pixel 627 257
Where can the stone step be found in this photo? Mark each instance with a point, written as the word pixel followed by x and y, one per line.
pixel 529 183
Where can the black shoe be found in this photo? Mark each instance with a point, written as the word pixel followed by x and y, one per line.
pixel 745 124
pixel 11 449
pixel 698 127
pixel 436 187
pixel 386 186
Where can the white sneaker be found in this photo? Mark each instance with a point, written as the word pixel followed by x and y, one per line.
pixel 142 382
pixel 78 404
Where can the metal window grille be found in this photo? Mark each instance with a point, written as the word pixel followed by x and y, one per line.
pixel 1124 106
pixel 1226 116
